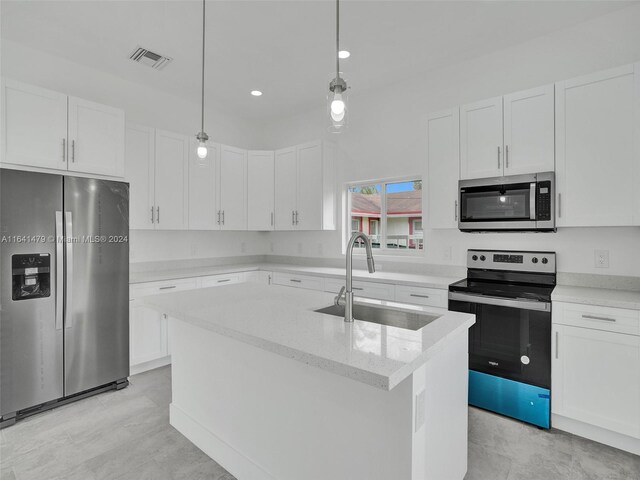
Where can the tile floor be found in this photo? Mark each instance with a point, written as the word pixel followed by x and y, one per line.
pixel 126 435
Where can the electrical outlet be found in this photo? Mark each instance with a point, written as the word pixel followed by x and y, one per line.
pixel 446 254
pixel 602 258
pixel 378 266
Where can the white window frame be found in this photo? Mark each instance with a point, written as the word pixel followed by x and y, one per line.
pixel 383 250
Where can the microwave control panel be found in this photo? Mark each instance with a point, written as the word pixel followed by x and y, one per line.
pixel 543 201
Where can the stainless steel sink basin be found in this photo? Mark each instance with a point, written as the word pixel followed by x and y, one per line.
pixel 383 316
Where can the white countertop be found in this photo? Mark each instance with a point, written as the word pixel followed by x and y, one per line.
pixel 430 281
pixel 597 296
pixel 281 320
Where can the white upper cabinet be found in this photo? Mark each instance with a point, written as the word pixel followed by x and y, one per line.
pixel 260 190
pixel 203 185
pixel 309 209
pixel 481 140
pixel 598 149
pixel 34 125
pixel 96 134
pixel 233 188
pixel 286 188
pixel 171 181
pixel 46 129
pixel 443 151
pixel 140 173
pixel 529 137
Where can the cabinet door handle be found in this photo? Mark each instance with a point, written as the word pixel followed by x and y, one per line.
pixel 64 149
pixel 498 156
pixel 595 317
pixel 225 280
pixel 167 288
pixel 73 150
pixel 556 345
pixel 295 281
pixel 506 156
pixel 455 211
pixel 272 219
pixel 559 205
pixel 152 219
pixel 157 214
pixel 418 295
pixel 356 288
pixel 218 220
pixel 296 217
pixel 223 217
pixel 293 217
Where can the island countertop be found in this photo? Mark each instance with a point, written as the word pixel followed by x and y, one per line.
pixel 282 320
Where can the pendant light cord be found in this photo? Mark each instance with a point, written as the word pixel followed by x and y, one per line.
pixel 203 33
pixel 338 39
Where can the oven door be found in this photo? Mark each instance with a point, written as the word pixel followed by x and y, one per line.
pixel 503 203
pixel 510 339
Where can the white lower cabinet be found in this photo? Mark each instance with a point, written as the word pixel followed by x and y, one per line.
pixel 299 281
pixel 258 276
pixel 223 279
pixel 428 297
pixel 375 290
pixel 596 368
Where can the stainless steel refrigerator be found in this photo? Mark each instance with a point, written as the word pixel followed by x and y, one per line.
pixel 64 286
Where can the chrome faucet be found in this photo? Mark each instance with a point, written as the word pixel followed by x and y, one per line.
pixel 348 288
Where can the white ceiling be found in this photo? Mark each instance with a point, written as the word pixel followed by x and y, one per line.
pixel 284 48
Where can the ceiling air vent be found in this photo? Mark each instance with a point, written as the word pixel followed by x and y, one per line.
pixel 149 58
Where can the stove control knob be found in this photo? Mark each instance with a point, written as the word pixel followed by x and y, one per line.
pixel 474 258
pixel 545 260
pixel 534 259
pixel 483 258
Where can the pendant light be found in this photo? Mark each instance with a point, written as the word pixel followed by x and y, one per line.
pixel 337 98
pixel 202 137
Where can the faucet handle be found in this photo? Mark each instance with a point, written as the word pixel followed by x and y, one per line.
pixel 341 294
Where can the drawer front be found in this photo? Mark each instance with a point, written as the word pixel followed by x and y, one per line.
pixel 376 290
pixel 156 288
pixel 617 320
pixel 298 281
pixel 222 279
pixel 431 297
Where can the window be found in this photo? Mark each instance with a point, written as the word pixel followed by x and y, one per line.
pixel 390 213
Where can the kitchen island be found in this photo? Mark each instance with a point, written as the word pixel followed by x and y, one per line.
pixel 271 389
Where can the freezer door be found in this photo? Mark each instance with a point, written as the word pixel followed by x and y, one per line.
pixel 31 335
pixel 97 275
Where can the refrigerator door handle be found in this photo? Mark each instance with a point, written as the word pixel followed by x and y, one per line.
pixel 59 271
pixel 68 320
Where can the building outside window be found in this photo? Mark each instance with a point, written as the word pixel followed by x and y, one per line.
pixel 389 212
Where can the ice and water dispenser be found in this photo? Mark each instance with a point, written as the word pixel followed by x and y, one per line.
pixel 31 275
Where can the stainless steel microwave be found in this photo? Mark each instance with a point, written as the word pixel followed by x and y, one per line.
pixel 512 203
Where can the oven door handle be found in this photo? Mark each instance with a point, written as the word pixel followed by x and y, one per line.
pixel 501 302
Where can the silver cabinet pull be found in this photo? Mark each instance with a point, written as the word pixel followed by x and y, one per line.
pixel 295 280
pixel 218 221
pixel 223 217
pixel 157 214
pixel 418 295
pixel 73 150
pixel 59 271
pixel 559 205
pixel 64 149
pixel 498 156
pixel 506 156
pixel 595 317
pixel 272 219
pixel 167 288
pixel 293 217
pixel 455 210
pixel 152 219
pixel 356 288
pixel 556 344
pixel 225 280
pixel 68 320
pixel 296 217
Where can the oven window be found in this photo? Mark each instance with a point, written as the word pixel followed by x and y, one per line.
pixel 496 203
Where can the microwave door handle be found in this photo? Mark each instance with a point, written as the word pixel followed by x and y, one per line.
pixel 532 200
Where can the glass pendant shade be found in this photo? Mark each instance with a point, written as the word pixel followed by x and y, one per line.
pixel 202 150
pixel 337 107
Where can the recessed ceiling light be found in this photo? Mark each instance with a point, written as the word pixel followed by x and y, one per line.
pixel 344 54
pixel 256 93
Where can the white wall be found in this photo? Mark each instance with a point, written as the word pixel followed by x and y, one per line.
pixel 386 137
pixel 145 106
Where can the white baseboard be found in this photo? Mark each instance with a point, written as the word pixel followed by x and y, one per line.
pixel 231 459
pixel 597 434
pixel 150 365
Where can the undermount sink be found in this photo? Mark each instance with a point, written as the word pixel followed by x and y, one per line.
pixel 383 316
